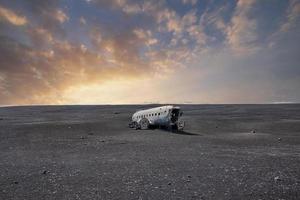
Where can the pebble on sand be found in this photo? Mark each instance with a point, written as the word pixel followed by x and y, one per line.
pixel 277 178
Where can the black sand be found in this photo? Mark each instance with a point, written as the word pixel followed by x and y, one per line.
pixel 88 152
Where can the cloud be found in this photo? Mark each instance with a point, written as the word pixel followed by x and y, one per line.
pixel 60 16
pixel 146 36
pixel 41 76
pixel 42 70
pixel 192 2
pixel 48 15
pixel 132 9
pixel 215 17
pixel 82 20
pixel 12 17
pixel 40 36
pixel 241 32
pixel 117 46
pixel 108 3
pixel 288 25
pixel 293 13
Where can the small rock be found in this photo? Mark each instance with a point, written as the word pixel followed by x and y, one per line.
pixel 116 113
pixel 216 126
pixel 279 139
pixel 102 140
pixel 169 183
pixel 45 172
pixel 90 133
pixel 189 176
pixel 253 131
pixel 82 137
pixel 69 127
pixel 16 182
pixel 277 179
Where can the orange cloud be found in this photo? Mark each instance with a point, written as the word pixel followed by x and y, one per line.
pixel 12 17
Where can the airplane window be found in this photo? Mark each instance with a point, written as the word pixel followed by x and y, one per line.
pixel 155 114
pixel 158 113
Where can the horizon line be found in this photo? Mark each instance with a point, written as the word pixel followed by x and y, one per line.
pixel 137 104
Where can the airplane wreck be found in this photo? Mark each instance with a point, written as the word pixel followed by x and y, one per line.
pixel 163 117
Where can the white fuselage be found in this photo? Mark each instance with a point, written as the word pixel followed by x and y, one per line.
pixel 158 116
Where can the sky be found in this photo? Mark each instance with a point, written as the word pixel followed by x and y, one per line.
pixel 149 51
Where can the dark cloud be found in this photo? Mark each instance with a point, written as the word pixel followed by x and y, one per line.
pixel 17 72
pixel 48 15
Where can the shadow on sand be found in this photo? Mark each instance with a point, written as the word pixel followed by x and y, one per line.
pixel 174 131
pixel 179 132
pixel 185 133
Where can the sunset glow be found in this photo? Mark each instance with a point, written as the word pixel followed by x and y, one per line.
pixel 160 51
